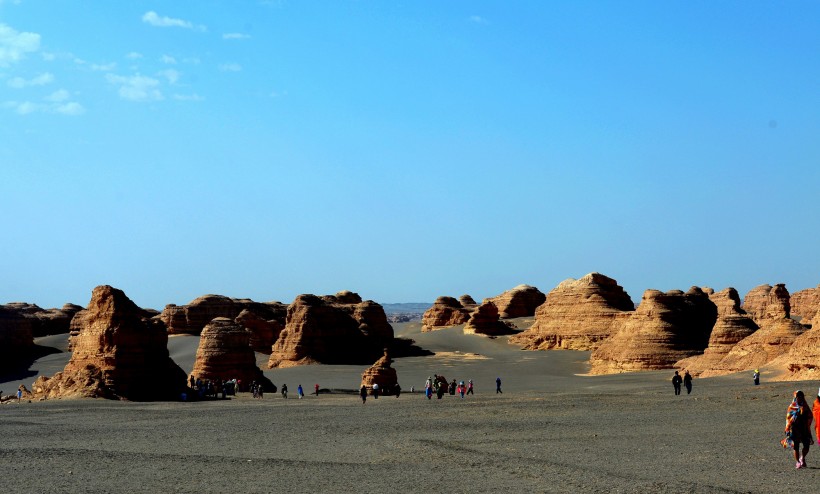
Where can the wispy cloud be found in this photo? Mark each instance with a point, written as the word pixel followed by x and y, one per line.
pixel 40 80
pixel 235 36
pixel 168 59
pixel 170 74
pixel 14 45
pixel 107 67
pixel 71 108
pixel 58 96
pixel 136 88
pixel 157 20
pixel 478 19
pixel 230 67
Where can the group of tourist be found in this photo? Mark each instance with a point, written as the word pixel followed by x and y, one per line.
pixel 440 386
pixel 208 389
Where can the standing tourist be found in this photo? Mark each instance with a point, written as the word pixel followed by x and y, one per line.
pixel 375 391
pixel 284 390
pixel 300 392
pixel 687 382
pixel 798 428
pixel 470 387
pixel 316 389
pixel 676 380
pixel 497 385
pixel 363 394
pixel 816 412
pixel 756 377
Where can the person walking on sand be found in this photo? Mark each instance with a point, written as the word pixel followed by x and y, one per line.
pixel 316 389
pixel 798 429
pixel 363 393
pixel 498 385
pixel 300 392
pixel 470 387
pixel 756 377
pixel 375 391
pixel 687 382
pixel 19 394
pixel 816 413
pixel 284 390
pixel 676 380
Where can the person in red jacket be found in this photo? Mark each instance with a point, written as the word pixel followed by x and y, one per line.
pixel 815 410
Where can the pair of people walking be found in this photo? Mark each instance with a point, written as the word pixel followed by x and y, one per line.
pixel 686 381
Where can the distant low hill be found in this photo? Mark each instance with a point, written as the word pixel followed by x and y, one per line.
pixel 406 308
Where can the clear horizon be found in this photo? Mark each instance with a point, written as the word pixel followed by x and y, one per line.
pixel 406 150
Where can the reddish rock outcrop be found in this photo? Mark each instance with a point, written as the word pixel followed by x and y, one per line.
pixel 224 353
pixel 485 321
pixel 445 312
pixel 732 326
pixel 329 330
pixel 46 321
pixel 577 315
pixel 805 303
pixel 262 332
pixel 117 353
pixel 665 328
pixel 467 301
pixel 521 301
pixel 191 318
pixel 383 374
pixel 767 302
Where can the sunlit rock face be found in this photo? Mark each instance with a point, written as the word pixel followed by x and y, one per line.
pixel 445 312
pixel 521 301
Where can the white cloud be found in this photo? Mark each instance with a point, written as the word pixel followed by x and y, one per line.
pixel 40 80
pixel 478 19
pixel 156 20
pixel 108 67
pixel 133 55
pixel 14 45
pixel 168 59
pixel 170 74
pixel 70 108
pixel 58 96
pixel 188 97
pixel 136 87
pixel 22 107
pixel 230 67
pixel 235 36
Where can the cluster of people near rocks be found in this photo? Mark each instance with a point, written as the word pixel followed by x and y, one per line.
pixel 440 386
pixel 208 389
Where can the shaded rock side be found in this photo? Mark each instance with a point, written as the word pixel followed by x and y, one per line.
pixel 324 330
pixel 262 333
pixel 578 315
pixel 521 301
pixel 117 353
pixel 445 312
pixel 467 301
pixel 191 318
pixel 224 353
pixel 485 321
pixel 16 340
pixel 805 303
pixel 665 328
pixel 383 374
pixel 773 339
pixel 766 302
pixel 731 327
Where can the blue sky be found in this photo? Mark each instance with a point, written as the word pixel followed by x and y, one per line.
pixel 405 150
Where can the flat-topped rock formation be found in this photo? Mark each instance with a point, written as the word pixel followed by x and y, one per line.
pixel 16 340
pixel 383 374
pixel 191 318
pixel 577 315
pixel 116 353
pixel 224 353
pixel 805 304
pixel 521 301
pixel 333 329
pixel 767 302
pixel 732 326
pixel 262 332
pixel 665 328
pixel 45 322
pixel 485 321
pixel 445 312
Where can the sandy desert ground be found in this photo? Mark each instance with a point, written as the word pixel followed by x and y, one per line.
pixel 552 430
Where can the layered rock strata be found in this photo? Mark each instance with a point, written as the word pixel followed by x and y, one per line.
pixel 802 361
pixel 117 353
pixel 383 374
pixel 191 318
pixel 331 330
pixel 485 321
pixel 262 333
pixel 521 301
pixel 767 302
pixel 467 301
pixel 46 322
pixel 805 304
pixel 224 353
pixel 577 315
pixel 665 328
pixel 731 327
pixel 445 312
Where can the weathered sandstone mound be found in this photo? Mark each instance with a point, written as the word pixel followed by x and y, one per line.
pixel 805 303
pixel 16 340
pixel 224 353
pixel 117 353
pixel 521 301
pixel 767 302
pixel 262 332
pixel 485 321
pixel 327 330
pixel 467 301
pixel 577 315
pixel 191 318
pixel 732 326
pixel 46 322
pixel 383 374
pixel 445 312
pixel 665 328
